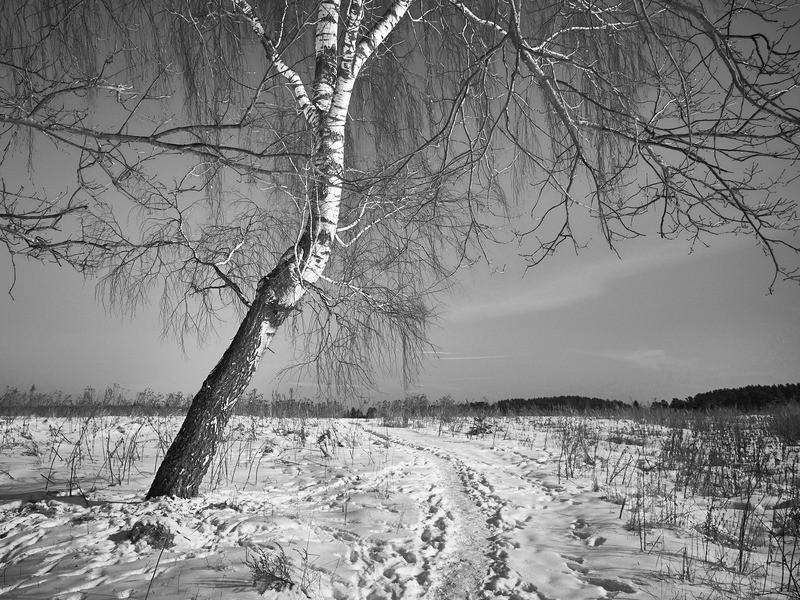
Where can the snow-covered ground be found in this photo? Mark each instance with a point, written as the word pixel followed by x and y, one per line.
pixel 356 510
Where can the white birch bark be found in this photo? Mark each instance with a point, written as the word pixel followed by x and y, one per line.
pixel 326 51
pixel 309 258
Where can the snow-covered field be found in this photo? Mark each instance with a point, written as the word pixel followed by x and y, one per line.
pixel 523 508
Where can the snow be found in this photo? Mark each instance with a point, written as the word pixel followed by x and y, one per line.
pixel 356 509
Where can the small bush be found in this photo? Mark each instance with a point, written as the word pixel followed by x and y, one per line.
pixel 155 534
pixel 479 428
pixel 270 569
pixel 786 426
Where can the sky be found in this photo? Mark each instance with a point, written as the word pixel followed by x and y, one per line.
pixel 658 323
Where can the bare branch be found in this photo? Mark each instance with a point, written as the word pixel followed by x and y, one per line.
pixel 295 83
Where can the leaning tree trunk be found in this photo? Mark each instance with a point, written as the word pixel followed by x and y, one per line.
pixel 277 295
pixel 193 449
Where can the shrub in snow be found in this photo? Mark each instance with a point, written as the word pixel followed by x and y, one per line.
pixel 270 569
pixel 156 534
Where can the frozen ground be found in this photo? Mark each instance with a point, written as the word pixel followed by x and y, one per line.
pixel 358 511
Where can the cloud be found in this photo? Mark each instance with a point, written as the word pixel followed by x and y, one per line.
pixel 478 357
pixel 655 359
pixel 453 356
pixel 576 282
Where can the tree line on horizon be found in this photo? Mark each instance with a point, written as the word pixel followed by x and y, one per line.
pixel 747 398
pixel 751 397
pixel 116 400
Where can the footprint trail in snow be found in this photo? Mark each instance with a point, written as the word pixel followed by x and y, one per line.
pixel 520 523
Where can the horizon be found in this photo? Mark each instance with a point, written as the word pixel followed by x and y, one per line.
pixel 131 396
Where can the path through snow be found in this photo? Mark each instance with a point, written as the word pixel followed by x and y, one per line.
pixel 534 542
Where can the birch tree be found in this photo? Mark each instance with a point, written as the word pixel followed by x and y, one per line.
pixel 328 166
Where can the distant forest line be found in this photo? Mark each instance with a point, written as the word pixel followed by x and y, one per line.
pixel 748 398
pixel 116 400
